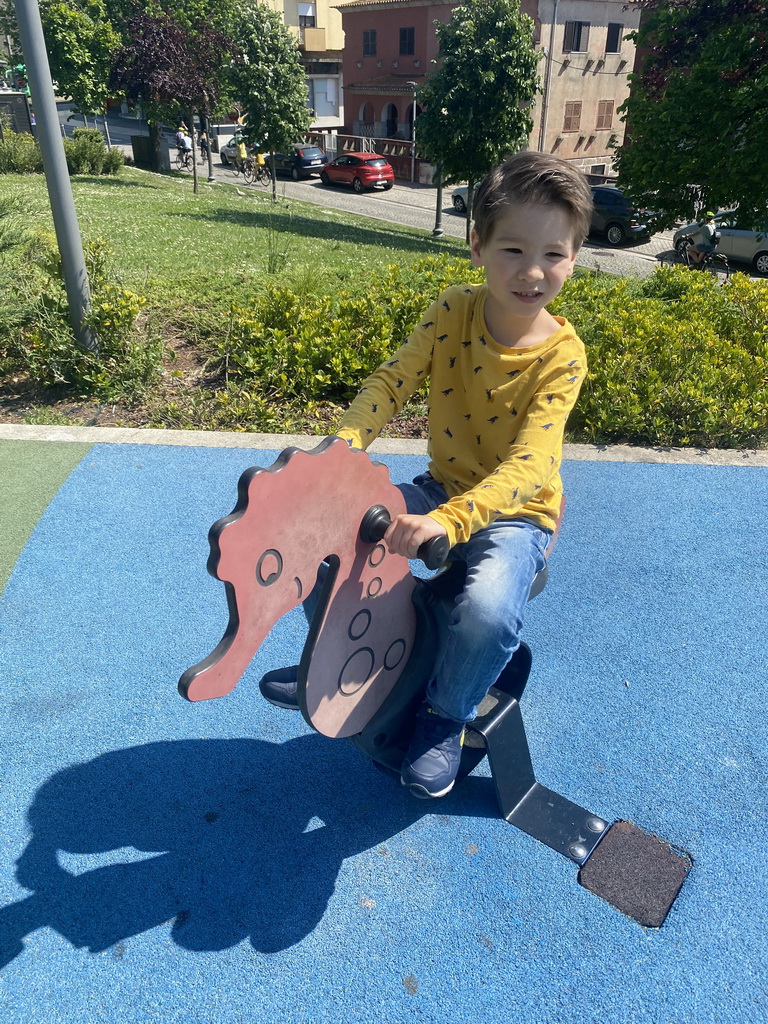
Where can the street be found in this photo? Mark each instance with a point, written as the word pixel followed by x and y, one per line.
pixel 405 204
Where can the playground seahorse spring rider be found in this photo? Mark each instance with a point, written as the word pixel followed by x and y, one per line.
pixel 371 646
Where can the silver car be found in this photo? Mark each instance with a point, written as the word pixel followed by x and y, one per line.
pixel 742 240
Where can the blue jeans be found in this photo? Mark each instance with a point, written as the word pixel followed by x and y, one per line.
pixel 484 630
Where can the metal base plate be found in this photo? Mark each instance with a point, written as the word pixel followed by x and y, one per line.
pixel 636 872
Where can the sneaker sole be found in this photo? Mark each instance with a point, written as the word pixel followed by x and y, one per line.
pixel 423 793
pixel 279 704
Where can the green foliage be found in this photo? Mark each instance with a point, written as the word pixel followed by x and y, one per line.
pixel 19 154
pixel 86 153
pixel 477 102
pixel 709 56
pixel 673 360
pixel 81 41
pixel 320 348
pixel 39 340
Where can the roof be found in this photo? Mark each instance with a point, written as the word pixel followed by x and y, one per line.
pixel 372 4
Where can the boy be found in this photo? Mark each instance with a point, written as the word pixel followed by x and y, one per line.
pixel 504 375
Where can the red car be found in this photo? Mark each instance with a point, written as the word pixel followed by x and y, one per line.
pixel 360 170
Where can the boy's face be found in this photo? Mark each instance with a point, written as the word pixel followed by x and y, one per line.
pixel 528 257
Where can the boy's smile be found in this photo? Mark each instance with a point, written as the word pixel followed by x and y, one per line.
pixel 530 254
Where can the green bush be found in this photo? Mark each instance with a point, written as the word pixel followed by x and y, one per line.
pixel 320 348
pixel 40 341
pixel 86 153
pixel 673 360
pixel 19 153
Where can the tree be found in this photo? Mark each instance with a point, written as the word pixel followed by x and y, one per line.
pixel 477 102
pixel 268 77
pixel 81 42
pixel 697 115
pixel 166 65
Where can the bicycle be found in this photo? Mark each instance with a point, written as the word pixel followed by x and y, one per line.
pixel 261 174
pixel 714 263
pixel 251 171
pixel 184 159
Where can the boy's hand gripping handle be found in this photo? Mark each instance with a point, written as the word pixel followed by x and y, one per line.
pixel 375 524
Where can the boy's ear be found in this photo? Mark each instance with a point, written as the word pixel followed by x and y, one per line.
pixel 477 255
pixel 576 251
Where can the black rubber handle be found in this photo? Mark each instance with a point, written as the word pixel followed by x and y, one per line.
pixel 375 524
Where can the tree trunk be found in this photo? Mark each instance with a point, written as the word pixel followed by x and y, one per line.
pixel 155 140
pixel 194 150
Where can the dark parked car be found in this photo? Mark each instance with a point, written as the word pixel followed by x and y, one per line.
pixel 302 162
pixel 360 170
pixel 614 216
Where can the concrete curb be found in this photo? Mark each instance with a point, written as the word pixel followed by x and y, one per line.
pixel 384 446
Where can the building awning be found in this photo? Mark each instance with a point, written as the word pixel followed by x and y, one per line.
pixel 387 83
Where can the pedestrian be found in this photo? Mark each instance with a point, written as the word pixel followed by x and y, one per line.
pixel 504 374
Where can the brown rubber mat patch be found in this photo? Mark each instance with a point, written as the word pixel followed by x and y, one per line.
pixel 636 872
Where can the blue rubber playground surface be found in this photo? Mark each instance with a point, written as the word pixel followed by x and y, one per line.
pixel 219 862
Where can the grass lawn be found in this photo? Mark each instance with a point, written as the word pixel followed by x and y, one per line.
pixel 192 257
pixel 191 254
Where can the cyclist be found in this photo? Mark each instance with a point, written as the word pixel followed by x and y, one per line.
pixel 202 141
pixel 242 153
pixel 710 236
pixel 183 141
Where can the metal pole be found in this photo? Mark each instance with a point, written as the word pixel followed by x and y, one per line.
pixel 549 51
pixel 48 135
pixel 206 121
pixel 413 131
pixel 437 230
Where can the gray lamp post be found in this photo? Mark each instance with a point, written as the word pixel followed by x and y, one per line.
pixel 55 167
pixel 414 86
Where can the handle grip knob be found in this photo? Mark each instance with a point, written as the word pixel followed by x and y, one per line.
pixel 376 523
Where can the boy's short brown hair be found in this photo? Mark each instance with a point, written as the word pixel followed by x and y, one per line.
pixel 531 177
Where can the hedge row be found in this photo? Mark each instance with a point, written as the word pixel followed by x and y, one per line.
pixel 674 359
pixel 85 152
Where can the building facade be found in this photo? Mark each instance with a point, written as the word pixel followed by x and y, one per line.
pixel 585 60
pixel 388 47
pixel 585 63
pixel 317 27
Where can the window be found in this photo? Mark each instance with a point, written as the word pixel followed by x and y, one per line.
pixel 604 113
pixel 323 97
pixel 307 18
pixel 572 117
pixel 576 39
pixel 406 42
pixel 369 42
pixel 615 32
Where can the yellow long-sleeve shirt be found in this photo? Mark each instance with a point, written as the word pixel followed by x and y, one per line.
pixel 496 414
